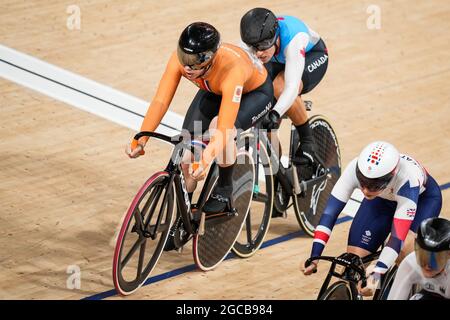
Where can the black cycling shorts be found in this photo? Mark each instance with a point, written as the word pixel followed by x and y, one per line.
pixel 316 64
pixel 254 105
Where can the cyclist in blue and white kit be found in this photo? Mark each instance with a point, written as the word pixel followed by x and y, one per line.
pixel 399 195
pixel 296 59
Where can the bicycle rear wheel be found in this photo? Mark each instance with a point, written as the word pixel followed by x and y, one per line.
pixel 212 247
pixel 258 218
pixel 309 207
pixel 337 291
pixel 143 234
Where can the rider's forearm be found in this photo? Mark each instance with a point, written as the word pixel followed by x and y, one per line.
pixel 392 249
pixel 163 97
pixel 153 117
pixel 401 224
pixel 326 224
pixel 293 71
pixel 386 260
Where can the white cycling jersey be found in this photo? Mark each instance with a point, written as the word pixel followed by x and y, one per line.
pixel 410 273
pixel 404 189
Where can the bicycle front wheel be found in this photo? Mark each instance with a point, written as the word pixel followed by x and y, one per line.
pixel 310 206
pixel 337 291
pixel 143 234
pixel 258 219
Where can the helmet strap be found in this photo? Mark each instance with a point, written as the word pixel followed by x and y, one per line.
pixel 205 71
pixel 277 48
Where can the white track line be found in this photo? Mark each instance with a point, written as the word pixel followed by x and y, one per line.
pixel 80 92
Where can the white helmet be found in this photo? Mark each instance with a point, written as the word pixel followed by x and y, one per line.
pixel 377 165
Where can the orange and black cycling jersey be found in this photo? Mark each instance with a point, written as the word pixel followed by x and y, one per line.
pixel 232 73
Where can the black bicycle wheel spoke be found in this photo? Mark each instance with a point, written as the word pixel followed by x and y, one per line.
pixel 154 202
pixel 161 212
pixel 149 202
pixel 139 222
pixel 132 251
pixel 141 259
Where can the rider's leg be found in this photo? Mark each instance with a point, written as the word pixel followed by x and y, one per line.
pixel 204 107
pixel 370 226
pixel 227 159
pixel 219 199
pixel 253 107
pixel 360 252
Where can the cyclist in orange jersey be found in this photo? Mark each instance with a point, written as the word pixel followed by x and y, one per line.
pixel 235 93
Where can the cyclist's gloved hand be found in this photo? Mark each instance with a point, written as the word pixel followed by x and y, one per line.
pixel 198 171
pixel 373 281
pixel 308 270
pixel 271 120
pixel 136 149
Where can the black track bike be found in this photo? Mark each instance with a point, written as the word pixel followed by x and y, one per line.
pixel 151 217
pixel 350 269
pixel 277 187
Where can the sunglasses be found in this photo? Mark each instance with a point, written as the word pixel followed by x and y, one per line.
pixel 203 60
pixel 263 45
pixel 373 185
pixel 198 66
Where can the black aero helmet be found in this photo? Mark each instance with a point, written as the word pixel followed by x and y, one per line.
pixel 432 245
pixel 259 28
pixel 197 45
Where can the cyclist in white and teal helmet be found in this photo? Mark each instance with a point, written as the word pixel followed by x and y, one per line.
pixel 428 266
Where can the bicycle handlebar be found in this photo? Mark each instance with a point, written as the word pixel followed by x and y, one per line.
pixel 341 262
pixel 173 140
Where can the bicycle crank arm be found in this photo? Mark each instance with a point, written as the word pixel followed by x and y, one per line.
pixel 214 219
pixel 303 186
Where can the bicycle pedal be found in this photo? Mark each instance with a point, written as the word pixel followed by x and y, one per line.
pixel 233 212
pixel 201 227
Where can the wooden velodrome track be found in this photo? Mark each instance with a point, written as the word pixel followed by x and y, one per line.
pixel 65 181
